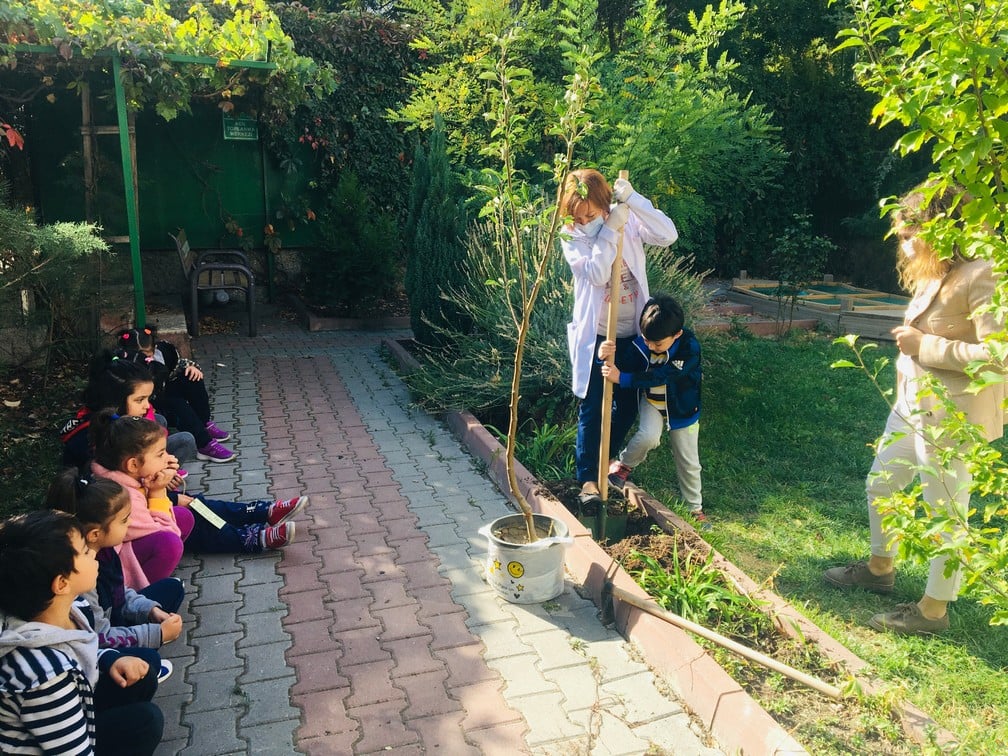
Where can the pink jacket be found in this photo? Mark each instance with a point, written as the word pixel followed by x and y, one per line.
pixel 142 522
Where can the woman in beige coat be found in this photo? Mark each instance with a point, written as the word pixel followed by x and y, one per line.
pixel 943 331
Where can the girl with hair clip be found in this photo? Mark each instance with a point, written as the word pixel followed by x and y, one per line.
pixel 129 621
pixel 131 451
pixel 127 388
pixel 180 392
pixel 943 332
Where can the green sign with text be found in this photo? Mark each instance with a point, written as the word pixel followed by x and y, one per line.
pixel 241 128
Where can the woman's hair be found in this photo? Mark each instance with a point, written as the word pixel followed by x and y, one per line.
pixel 134 339
pixel 585 185
pixel 93 501
pixel 111 380
pixel 116 439
pixel 35 549
pixel 916 209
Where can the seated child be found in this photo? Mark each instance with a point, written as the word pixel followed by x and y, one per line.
pixel 131 451
pixel 60 693
pixel 667 372
pixel 180 393
pixel 127 388
pixel 124 619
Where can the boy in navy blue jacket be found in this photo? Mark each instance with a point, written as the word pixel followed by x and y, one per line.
pixel 668 374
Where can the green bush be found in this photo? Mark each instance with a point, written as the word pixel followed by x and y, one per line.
pixel 705 155
pixel 346 130
pixel 51 276
pixel 357 262
pixel 434 232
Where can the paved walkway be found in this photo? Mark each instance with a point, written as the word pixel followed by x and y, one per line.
pixel 374 631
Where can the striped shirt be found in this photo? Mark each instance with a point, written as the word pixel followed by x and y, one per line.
pixel 46 704
pixel 656 394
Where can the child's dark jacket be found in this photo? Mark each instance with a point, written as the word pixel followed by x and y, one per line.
pixel 681 374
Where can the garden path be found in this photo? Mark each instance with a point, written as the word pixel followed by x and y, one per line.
pixel 373 631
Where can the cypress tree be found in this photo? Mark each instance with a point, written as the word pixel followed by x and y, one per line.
pixel 434 231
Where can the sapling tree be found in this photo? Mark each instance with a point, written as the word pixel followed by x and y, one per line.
pixel 938 69
pixel 526 224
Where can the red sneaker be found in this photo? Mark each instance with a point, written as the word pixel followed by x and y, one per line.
pixel 618 474
pixel 701 520
pixel 282 511
pixel 277 537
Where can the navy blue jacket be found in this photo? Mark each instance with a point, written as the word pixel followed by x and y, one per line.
pixel 681 375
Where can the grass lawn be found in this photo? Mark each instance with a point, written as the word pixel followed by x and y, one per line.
pixel 785 442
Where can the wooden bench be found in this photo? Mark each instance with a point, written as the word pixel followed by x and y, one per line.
pixel 213 270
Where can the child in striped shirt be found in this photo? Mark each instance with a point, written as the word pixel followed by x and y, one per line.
pixel 60 693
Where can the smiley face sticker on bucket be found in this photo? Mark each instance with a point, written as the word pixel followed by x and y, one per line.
pixel 526 573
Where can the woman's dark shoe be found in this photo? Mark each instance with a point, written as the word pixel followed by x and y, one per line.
pixel 858 575
pixel 906 619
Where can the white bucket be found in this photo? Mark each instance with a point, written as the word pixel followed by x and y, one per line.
pixel 527 573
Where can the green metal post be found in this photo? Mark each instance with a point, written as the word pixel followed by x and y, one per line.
pixel 131 200
pixel 270 261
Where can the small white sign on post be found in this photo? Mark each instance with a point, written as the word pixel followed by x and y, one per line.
pixel 240 128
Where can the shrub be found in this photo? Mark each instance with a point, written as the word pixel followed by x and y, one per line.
pixel 357 263
pixel 476 374
pixel 48 276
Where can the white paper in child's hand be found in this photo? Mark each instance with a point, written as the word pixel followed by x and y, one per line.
pixel 207 514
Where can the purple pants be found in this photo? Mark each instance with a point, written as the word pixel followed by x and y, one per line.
pixel 159 553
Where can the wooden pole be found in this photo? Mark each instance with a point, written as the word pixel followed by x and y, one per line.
pixel 607 387
pixel 651 607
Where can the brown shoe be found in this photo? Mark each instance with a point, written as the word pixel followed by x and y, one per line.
pixel 906 619
pixel 858 575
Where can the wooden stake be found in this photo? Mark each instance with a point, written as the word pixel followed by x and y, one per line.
pixel 607 387
pixel 651 607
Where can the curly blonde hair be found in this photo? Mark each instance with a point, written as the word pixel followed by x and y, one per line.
pixel 918 207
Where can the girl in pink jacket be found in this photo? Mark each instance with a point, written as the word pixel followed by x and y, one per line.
pixel 131 451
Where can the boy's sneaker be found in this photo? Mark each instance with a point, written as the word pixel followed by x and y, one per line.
pixel 700 519
pixel 165 671
pixel 276 537
pixel 618 474
pixel 214 452
pixel 217 434
pixel 282 511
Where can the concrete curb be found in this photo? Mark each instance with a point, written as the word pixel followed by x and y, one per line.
pixel 732 716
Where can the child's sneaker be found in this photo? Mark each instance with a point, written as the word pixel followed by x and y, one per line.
pixel 217 434
pixel 276 537
pixel 618 474
pixel 282 511
pixel 700 520
pixel 214 452
pixel 165 671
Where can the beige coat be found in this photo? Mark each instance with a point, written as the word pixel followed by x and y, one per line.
pixel 945 311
